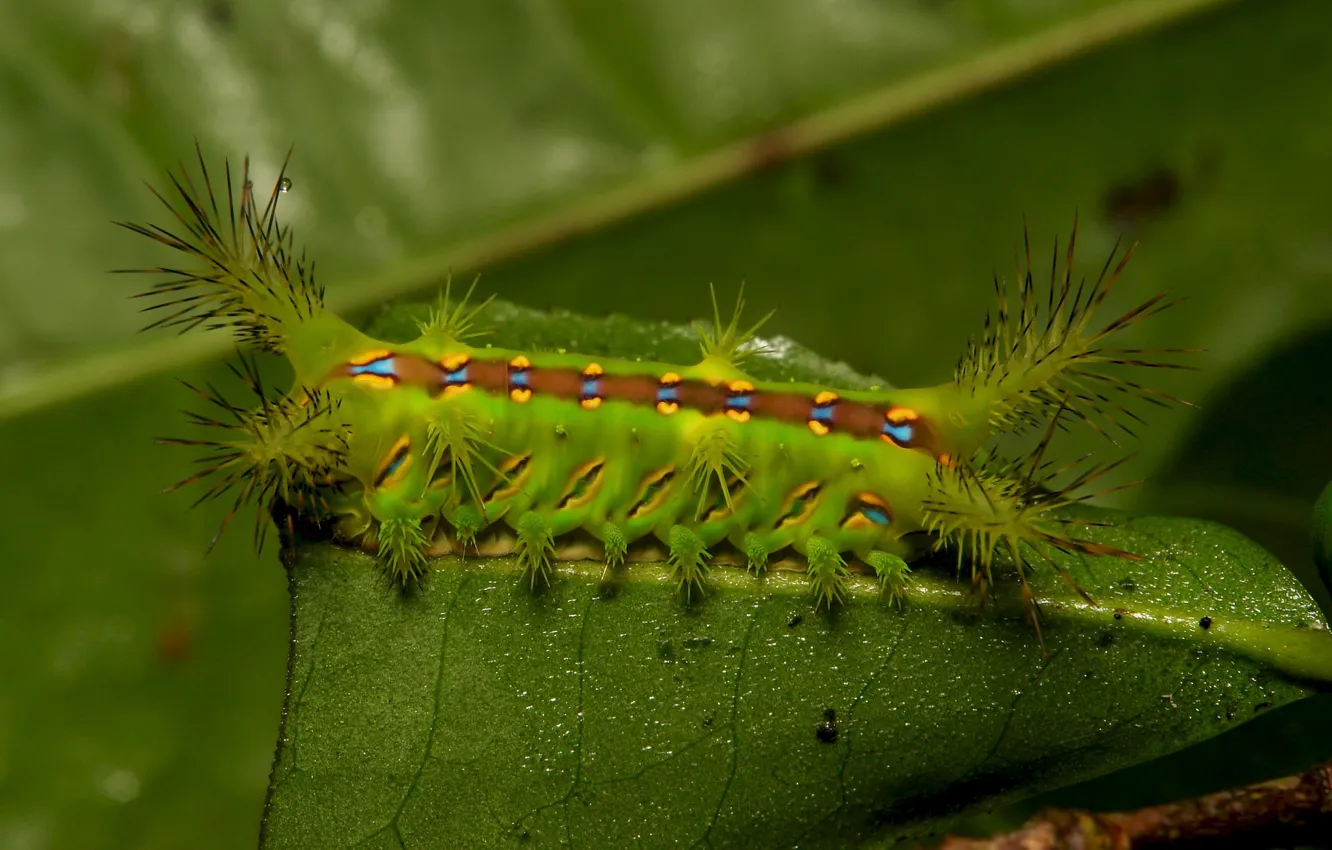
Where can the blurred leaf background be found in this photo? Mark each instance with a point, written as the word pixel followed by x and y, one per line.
pixel 864 164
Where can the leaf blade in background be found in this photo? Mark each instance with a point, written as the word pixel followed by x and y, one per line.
pixel 393 176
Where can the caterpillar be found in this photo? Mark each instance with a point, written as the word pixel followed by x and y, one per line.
pixel 439 445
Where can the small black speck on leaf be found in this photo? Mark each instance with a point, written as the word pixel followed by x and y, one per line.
pixel 1205 622
pixel 794 621
pixel 1260 706
pixel 827 730
pixel 1118 616
pixel 697 642
pixel 1135 202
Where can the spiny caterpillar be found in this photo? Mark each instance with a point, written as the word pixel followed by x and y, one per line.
pixel 435 445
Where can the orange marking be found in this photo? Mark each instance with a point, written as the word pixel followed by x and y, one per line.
pixel 377 354
pixel 378 382
pixel 796 496
pixel 818 427
pixel 520 362
pixel 590 403
pixel 667 407
pixel 670 378
pixel 400 446
pixel 457 389
pixel 740 387
pixel 520 394
pixel 593 370
pixel 825 397
pixel 453 362
pixel 857 522
pixel 873 499
pixel 898 415
pixel 738 415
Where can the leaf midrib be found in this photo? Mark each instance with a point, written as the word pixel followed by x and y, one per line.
pixel 874 110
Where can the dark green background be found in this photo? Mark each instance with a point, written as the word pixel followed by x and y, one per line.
pixel 589 157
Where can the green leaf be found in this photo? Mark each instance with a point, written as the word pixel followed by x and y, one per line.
pixel 479 713
pixel 601 711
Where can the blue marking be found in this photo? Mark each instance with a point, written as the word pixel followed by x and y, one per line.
pixel 900 434
pixel 382 367
pixel 739 402
pixel 456 377
pixel 668 394
pixel 393 465
pixel 518 379
pixel 591 388
pixel 822 414
pixel 876 515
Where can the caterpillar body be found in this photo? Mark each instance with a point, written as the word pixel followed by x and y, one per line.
pixel 434 445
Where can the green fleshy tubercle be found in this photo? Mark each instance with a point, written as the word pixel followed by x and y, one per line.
pixel 893 574
pixel 402 546
pixel 467 524
pixel 689 559
pixel 535 547
pixel 617 545
pixel 756 553
pixel 827 572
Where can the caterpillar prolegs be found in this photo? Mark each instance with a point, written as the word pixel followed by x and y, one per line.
pixel 438 445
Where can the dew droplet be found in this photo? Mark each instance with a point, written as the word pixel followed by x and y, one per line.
pixel 284 185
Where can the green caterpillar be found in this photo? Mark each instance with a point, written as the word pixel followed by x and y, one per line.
pixel 435 446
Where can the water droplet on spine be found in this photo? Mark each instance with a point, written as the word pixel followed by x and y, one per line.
pixel 284 185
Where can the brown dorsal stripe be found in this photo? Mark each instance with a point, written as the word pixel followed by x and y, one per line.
pixel 823 413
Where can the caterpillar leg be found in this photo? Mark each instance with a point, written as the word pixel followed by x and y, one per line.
pixel 467 524
pixel 892 572
pixel 688 558
pixel 402 546
pixel 756 553
pixel 827 571
pixel 535 547
pixel 617 546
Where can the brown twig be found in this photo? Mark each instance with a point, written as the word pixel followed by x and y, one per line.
pixel 1280 813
